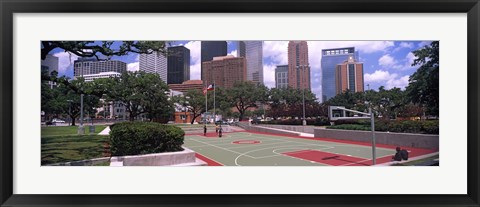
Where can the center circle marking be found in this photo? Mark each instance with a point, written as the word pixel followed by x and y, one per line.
pixel 246 142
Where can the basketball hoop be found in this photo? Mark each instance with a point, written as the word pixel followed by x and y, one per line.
pixel 339 113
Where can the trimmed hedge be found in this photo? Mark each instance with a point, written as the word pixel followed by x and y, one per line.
pixel 138 138
pixel 407 126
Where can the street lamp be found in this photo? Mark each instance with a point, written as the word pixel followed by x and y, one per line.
pixel 70 110
pixel 81 128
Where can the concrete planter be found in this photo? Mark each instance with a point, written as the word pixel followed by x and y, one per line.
pixel 427 141
pixel 181 158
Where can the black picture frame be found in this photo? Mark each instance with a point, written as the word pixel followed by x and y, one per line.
pixel 10 7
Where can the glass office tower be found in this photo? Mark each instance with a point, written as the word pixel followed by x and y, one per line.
pixel 330 59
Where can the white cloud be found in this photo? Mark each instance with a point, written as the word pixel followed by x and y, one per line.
pixel 423 43
pixel 269 75
pixel 379 76
pixel 195 59
pixel 277 51
pixel 195 72
pixel 65 61
pixel 234 53
pixel 406 45
pixel 401 82
pixel 133 66
pixel 386 79
pixel 387 61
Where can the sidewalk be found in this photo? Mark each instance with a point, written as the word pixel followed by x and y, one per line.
pixel 105 131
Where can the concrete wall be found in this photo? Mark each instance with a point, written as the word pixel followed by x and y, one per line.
pixel 297 128
pixel 264 130
pixel 397 139
pixel 185 158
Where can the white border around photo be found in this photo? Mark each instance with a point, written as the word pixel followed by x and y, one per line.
pixel 449 178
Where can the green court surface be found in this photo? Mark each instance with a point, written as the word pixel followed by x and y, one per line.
pixel 258 149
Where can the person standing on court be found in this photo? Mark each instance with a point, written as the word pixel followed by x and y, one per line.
pixel 220 130
pixel 204 130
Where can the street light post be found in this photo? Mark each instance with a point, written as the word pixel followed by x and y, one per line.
pixel 81 128
pixel 304 122
pixel 70 111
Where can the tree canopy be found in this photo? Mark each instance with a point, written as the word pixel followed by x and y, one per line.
pixel 423 86
pixel 103 48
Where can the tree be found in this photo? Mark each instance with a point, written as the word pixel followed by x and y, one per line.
pixel 245 95
pixel 64 100
pixel 289 102
pixel 100 50
pixel 140 92
pixel 105 48
pixel 423 86
pixel 156 103
pixel 194 101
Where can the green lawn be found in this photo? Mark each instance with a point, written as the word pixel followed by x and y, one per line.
pixel 67 130
pixel 68 148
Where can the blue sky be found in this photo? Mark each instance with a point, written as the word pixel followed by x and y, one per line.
pixel 386 63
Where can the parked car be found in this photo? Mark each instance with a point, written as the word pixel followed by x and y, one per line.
pixel 256 121
pixel 55 120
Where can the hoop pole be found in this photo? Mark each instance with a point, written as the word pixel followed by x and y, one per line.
pixel 372 120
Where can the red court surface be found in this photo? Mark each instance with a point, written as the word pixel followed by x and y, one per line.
pixel 209 161
pixel 326 157
pixel 322 157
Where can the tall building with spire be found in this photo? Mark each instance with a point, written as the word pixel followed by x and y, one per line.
pixel 298 66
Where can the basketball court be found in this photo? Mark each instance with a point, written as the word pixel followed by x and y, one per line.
pixel 262 149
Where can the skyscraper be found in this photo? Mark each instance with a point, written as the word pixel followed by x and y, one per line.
pixel 156 62
pixel 178 65
pixel 298 66
pixel 225 71
pixel 89 66
pixel 210 49
pixel 330 59
pixel 253 52
pixel 49 65
pixel 241 49
pixel 281 76
pixel 349 75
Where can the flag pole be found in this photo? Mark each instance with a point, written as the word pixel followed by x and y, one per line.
pixel 206 94
pixel 214 108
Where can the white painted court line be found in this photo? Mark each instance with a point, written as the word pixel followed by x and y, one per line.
pixel 221 148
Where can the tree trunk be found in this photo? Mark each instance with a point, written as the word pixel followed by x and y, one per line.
pixel 241 115
pixel 73 120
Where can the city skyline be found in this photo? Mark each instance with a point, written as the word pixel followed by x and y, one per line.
pixel 386 63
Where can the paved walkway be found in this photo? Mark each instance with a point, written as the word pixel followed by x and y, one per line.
pixel 105 131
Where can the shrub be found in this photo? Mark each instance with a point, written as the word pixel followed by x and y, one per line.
pixel 431 127
pixel 351 127
pixel 137 138
pixel 406 126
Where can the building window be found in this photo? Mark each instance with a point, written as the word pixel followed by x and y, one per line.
pixel 351 77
